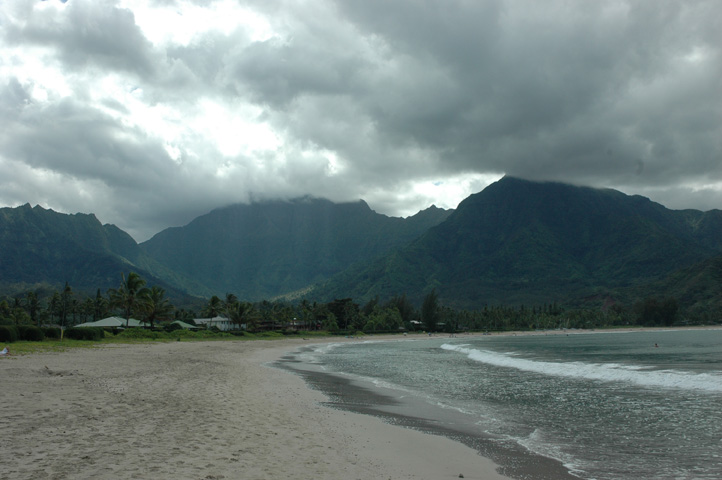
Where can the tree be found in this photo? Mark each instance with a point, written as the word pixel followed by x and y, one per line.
pixel 32 304
pixel 66 304
pixel 430 311
pixel 214 307
pixel 368 309
pixel 404 306
pixel 86 310
pixel 54 306
pixel 100 306
pixel 306 313
pixel 243 313
pixel 230 302
pixel 154 305
pixel 126 295
pixel 346 313
pixel 186 316
pixel 383 319
pixel 324 317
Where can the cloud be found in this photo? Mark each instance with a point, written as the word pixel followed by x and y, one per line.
pixel 150 113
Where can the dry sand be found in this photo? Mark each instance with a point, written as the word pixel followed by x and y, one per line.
pixel 199 410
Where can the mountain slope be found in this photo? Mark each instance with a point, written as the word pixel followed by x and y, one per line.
pixel 519 241
pixel 266 249
pixel 698 288
pixel 39 246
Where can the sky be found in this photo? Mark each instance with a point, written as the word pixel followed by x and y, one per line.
pixel 149 113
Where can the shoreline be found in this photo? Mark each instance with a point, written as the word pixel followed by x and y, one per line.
pixel 359 397
pixel 200 410
pixel 356 395
pixel 212 410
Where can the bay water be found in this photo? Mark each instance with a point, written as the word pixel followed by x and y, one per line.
pixel 606 406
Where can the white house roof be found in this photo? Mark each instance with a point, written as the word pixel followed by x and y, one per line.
pixel 113 322
pixel 184 325
pixel 211 320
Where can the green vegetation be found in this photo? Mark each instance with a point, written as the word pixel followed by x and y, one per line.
pixel 519 255
pixel 85 333
pixel 8 334
pixel 127 295
pixel 266 319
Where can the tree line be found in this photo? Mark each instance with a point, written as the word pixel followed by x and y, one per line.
pixel 133 299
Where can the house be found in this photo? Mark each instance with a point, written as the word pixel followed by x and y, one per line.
pixel 222 323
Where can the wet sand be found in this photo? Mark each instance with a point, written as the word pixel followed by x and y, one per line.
pixel 398 408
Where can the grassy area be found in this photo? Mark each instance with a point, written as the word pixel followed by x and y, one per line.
pixel 46 346
pixel 132 336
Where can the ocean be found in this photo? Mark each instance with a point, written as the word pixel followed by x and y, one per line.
pixel 603 406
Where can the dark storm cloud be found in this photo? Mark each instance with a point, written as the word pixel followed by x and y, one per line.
pixel 548 87
pixel 364 99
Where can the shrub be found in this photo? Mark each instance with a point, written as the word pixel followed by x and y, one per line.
pixel 138 333
pixel 30 333
pixel 85 333
pixel 51 332
pixel 8 334
pixel 172 327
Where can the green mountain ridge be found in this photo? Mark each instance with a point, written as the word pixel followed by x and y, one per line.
pixel 520 242
pixel 39 246
pixel 515 242
pixel 266 249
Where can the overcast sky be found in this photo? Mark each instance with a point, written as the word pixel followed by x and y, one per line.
pixel 150 113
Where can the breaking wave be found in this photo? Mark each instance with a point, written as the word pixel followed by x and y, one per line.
pixel 612 372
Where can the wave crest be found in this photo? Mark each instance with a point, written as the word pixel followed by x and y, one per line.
pixel 610 372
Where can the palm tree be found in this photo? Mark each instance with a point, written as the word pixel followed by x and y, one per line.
pixel 213 307
pixel 100 306
pixel 65 304
pixel 126 295
pixel 230 300
pixel 154 305
pixel 230 303
pixel 243 312
pixel 54 306
pixel 306 314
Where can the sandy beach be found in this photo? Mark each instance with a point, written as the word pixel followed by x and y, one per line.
pixel 199 410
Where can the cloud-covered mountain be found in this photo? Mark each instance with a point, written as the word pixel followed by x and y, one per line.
pixel 515 242
pixel 532 242
pixel 265 249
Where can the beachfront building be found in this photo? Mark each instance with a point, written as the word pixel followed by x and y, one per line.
pixel 223 323
pixel 114 322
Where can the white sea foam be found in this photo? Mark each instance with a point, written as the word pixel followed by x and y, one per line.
pixel 611 372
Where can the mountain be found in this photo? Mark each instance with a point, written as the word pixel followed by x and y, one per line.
pixel 697 287
pixel 533 242
pixel 516 242
pixel 39 246
pixel 266 249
